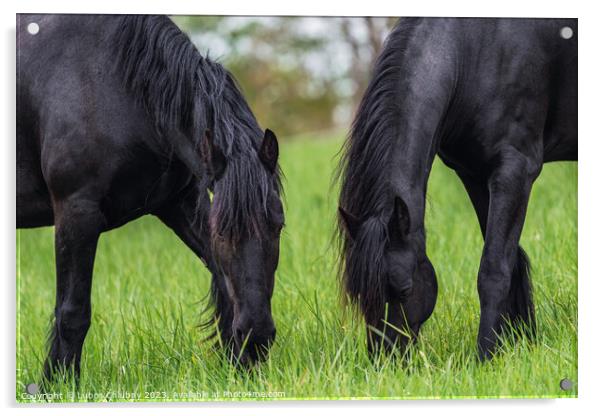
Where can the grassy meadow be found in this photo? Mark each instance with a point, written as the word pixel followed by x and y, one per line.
pixel 144 344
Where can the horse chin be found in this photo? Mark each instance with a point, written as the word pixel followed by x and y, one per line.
pixel 251 358
pixel 249 355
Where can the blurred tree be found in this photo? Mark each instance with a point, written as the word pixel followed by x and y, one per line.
pixel 298 74
pixel 365 48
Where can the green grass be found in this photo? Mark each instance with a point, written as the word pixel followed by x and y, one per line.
pixel 147 287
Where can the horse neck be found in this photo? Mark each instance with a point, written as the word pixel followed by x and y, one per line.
pixel 423 94
pixel 412 158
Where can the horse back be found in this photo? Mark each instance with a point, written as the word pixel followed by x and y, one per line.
pixel 494 82
pixel 522 79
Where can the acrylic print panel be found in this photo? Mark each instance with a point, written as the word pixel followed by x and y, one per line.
pixel 218 208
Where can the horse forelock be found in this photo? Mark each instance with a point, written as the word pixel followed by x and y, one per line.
pixel 364 273
pixel 240 207
pixel 240 202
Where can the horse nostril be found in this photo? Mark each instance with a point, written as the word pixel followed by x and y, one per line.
pixel 240 334
pixel 254 334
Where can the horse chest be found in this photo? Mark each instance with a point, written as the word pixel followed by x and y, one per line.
pixel 137 192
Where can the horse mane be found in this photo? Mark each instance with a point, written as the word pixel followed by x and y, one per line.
pixel 181 89
pixel 364 175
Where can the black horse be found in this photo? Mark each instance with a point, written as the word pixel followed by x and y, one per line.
pixel 120 116
pixel 495 99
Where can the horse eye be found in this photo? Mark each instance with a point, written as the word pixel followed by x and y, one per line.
pixel 277 218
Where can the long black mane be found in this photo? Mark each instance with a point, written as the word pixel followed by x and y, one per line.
pixel 364 171
pixel 182 89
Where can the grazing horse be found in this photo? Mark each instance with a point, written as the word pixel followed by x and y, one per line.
pixel 495 99
pixel 120 116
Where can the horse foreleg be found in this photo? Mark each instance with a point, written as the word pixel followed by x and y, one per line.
pixel 78 223
pixel 520 307
pixel 503 285
pixel 187 217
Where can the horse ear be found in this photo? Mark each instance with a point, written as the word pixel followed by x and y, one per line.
pixel 351 222
pixel 401 216
pixel 268 153
pixel 213 156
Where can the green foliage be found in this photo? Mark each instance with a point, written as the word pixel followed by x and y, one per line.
pixel 147 285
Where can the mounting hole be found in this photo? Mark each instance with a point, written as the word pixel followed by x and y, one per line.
pixel 566 384
pixel 33 28
pixel 32 388
pixel 566 32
